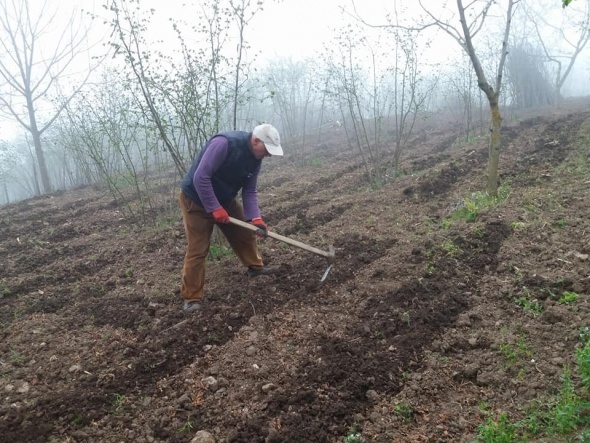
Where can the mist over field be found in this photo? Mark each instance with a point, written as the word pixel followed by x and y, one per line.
pixel 436 163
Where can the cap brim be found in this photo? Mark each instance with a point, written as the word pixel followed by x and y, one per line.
pixel 273 149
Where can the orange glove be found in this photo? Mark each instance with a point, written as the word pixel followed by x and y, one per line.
pixel 220 215
pixel 262 228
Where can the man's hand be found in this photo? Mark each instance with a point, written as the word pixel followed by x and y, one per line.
pixel 220 215
pixel 262 228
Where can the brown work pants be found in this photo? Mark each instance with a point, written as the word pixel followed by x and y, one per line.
pixel 198 226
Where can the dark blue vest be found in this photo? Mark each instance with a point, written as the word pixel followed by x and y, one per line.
pixel 238 166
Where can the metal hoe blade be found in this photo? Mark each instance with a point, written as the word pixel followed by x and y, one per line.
pixel 326 273
pixel 331 257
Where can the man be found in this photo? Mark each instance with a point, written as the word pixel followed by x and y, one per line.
pixel 229 162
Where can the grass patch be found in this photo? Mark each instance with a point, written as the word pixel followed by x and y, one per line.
pixel 473 205
pixel 565 417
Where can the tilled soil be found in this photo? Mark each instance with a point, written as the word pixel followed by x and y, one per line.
pixel 404 342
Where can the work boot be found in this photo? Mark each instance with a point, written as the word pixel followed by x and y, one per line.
pixel 191 306
pixel 267 270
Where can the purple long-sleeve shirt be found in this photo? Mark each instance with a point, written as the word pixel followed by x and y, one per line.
pixel 212 160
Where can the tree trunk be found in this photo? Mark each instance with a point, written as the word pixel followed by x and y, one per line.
pixel 41 162
pixel 495 147
pixel 37 142
pixel 6 193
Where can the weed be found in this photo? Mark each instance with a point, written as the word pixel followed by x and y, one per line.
pixel 117 403
pixel 377 335
pixel 568 297
pixel 484 406
pixel 214 338
pixel 15 357
pixel 565 412
pixel 446 224
pixel 500 431
pixel 128 273
pixel 406 318
pixel 512 353
pixel 451 249
pixel 478 232
pixel 523 348
pixel 37 242
pixel 532 306
pixel 518 273
pixel 217 252
pixel 164 222
pixel 561 223
pixel 188 426
pixel 405 411
pixel 353 437
pixel 529 304
pixel 509 353
pixel 583 360
pixel 550 293
pixel 532 425
pixel 517 226
pixel 476 202
pixel 430 269
pixel 5 290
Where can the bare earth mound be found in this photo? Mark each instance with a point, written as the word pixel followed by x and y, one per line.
pixel 405 342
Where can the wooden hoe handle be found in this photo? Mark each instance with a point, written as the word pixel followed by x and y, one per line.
pixel 298 244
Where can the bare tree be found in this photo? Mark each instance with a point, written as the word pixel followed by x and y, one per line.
pixel 29 72
pixel 407 99
pixel 471 24
pixel 472 18
pixel 528 79
pixel 293 96
pixel 9 161
pixel 571 38
pixel 128 32
pixel 243 11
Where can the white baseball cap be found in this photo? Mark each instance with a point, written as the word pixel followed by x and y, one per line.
pixel 269 135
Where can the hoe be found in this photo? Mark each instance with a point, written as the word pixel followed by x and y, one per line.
pixel 330 254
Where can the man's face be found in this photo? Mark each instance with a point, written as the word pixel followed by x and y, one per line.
pixel 258 148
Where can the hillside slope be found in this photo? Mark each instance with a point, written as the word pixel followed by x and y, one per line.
pixel 428 323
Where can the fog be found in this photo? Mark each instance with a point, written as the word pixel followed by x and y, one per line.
pixel 121 88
